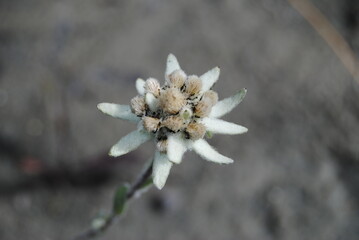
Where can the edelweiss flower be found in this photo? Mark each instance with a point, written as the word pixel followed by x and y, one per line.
pixel 177 116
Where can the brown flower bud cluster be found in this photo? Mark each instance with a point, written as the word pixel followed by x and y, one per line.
pixel 175 107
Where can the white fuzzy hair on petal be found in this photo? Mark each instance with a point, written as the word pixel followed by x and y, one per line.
pixel 206 151
pixel 223 127
pixel 140 86
pixel 172 65
pixel 209 78
pixel 118 111
pixel 228 104
pixel 160 169
pixel 176 148
pixel 130 142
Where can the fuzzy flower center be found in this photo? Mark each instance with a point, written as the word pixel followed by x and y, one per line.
pixel 176 107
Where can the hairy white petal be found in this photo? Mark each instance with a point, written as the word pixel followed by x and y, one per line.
pixel 118 111
pixel 152 101
pixel 140 86
pixel 172 65
pixel 176 148
pixel 209 78
pixel 206 151
pixel 222 127
pixel 130 142
pixel 226 105
pixel 160 169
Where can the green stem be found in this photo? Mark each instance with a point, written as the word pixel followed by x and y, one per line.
pixel 143 180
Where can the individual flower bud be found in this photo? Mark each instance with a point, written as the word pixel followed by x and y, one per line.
pixel 138 105
pixel 203 108
pixel 177 78
pixel 212 96
pixel 186 113
pixel 162 145
pixel 150 124
pixel 152 86
pixel 193 85
pixel 196 130
pixel 172 100
pixel 174 123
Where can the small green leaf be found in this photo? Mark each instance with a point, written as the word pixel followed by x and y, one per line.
pixel 119 200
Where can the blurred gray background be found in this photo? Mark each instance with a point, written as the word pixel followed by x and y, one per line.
pixel 296 172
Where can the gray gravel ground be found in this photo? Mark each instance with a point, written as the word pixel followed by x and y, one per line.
pixel 296 172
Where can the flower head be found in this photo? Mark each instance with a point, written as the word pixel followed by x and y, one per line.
pixel 177 117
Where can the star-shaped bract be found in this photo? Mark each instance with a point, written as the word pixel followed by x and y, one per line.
pixel 177 116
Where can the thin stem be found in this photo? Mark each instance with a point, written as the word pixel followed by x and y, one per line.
pixel 141 180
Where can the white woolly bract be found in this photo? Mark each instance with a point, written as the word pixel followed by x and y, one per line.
pixel 206 151
pixel 140 86
pixel 176 148
pixel 130 142
pixel 118 111
pixel 209 78
pixel 160 169
pixel 222 127
pixel 228 104
pixel 172 65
